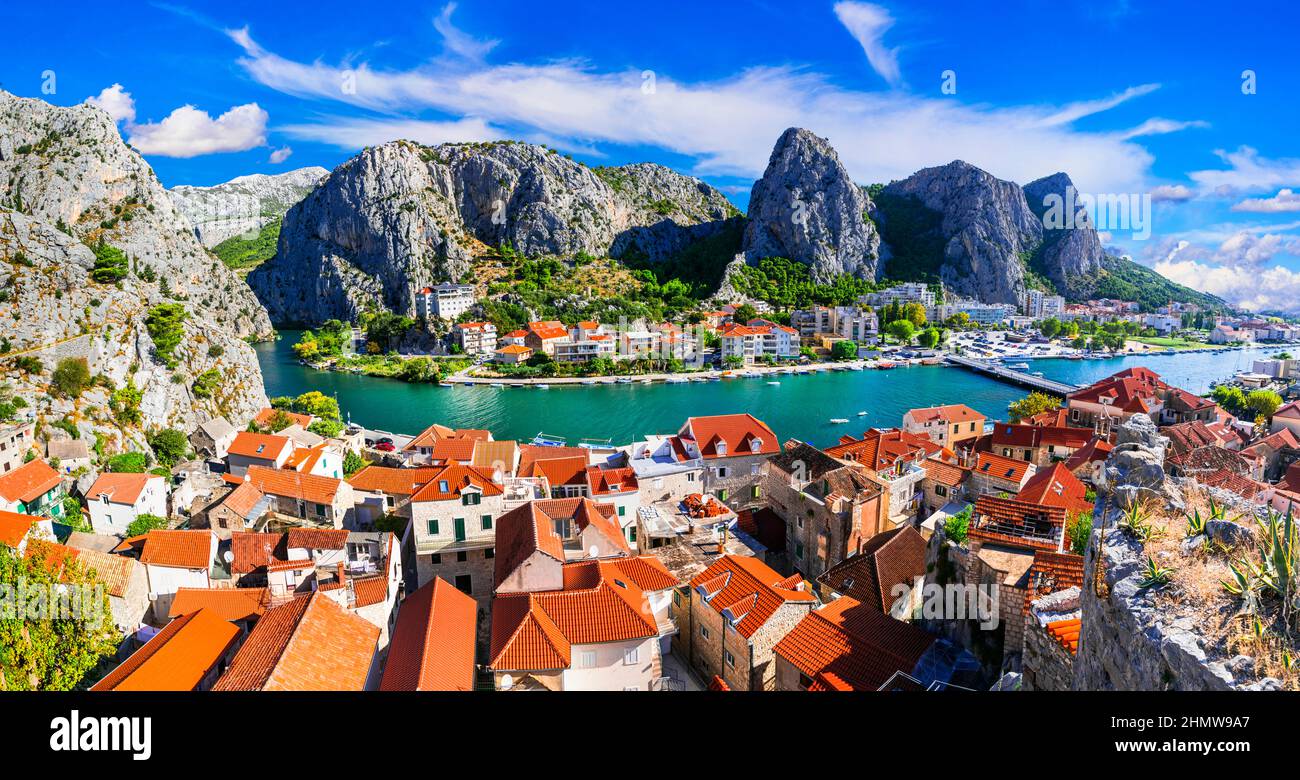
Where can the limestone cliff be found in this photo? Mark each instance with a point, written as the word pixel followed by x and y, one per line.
pixel 244 204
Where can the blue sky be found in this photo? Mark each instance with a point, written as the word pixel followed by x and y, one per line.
pixel 1130 98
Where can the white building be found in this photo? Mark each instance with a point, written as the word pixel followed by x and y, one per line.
pixel 1163 323
pixel 1041 305
pixel 850 322
pixel 447 300
pixel 117 500
pixel 757 340
pixel 911 292
pixel 984 313
pixel 476 338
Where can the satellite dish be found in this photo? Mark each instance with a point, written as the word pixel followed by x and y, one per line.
pixel 507 682
pixel 229 556
pixel 593 551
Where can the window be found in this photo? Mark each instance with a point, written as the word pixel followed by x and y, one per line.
pixel 458 526
pixel 704 631
pixel 490 552
pixel 940 490
pixel 485 522
pixel 631 533
pixel 972 426
pixel 956 429
pixel 631 656
pixel 804 681
pixel 462 556
pixel 690 477
pixel 471 499
pixel 731 659
pixel 755 492
pixel 587 659
pixel 444 486
pixel 798 549
pixel 464 585
pixel 435 559
pixel 659 483
pixel 722 494
pixel 721 471
pixel 677 598
pixel 433 528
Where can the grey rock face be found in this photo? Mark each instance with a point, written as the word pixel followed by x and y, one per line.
pixel 399 217
pixel 807 208
pixel 69 182
pixel 1136 467
pixel 1066 251
pixel 243 205
pixel 988 228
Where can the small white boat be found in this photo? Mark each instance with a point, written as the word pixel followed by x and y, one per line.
pixel 862 414
pixel 498 385
pixel 542 387
pixel 676 380
pixel 1018 366
pixel 773 382
pixel 588 381
pixel 623 380
pixel 839 420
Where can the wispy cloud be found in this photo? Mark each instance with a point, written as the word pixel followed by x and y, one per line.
pixel 1171 193
pixel 1247 171
pixel 1243 268
pixel 726 125
pixel 1284 201
pixel 458 41
pixel 867 23
pixel 1158 126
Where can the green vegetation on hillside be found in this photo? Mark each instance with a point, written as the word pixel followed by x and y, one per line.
pixel 914 233
pixel 1126 280
pixel 245 254
pixel 786 284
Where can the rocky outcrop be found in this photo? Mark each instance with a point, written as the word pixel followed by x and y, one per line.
pixel 70 183
pixel 243 205
pixel 806 208
pixel 401 216
pixel 1135 470
pixel 987 230
pixel 1070 248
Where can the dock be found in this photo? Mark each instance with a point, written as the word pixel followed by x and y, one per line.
pixel 1014 377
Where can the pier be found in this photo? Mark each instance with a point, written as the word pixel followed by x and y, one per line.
pixel 1014 377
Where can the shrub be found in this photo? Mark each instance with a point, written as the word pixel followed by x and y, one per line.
pixel 1078 532
pixel 327 428
pixel 29 364
pixel 165 324
pixel 127 463
pixel 169 446
pixel 207 383
pixel 125 403
pixel 111 265
pixel 957 527
pixel 143 524
pixel 70 377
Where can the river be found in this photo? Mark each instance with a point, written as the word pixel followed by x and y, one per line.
pixel 801 406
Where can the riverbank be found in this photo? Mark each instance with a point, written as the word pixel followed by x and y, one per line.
pixel 708 375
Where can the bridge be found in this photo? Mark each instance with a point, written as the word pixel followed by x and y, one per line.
pixel 1014 377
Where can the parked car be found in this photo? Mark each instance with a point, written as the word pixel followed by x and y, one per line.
pixel 385 446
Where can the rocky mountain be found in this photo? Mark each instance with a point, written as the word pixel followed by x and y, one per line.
pixel 401 216
pixel 73 195
pixel 807 208
pixel 244 204
pixel 1066 252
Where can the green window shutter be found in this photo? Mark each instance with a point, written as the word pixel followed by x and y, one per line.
pixel 758 491
pixel 433 527
pixel 486 522
pixel 459 525
pixel 622 510
pixel 722 494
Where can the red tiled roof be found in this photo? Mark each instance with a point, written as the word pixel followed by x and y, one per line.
pixel 28 482
pixel 951 413
pixel 396 482
pixel 428 436
pixel 433 642
pixel 645 571
pixel 718 684
pixel 886 560
pixel 1018 523
pixel 1233 482
pixel 317 539
pixel 1096 449
pixel 293 484
pixel 370 590
pixel 253 551
pixel 266 446
pixel 265 416
pixel 453 451
pixel 548 329
pixel 530 528
pixel 1052 572
pixel 536 631
pixel 743 434
pixel 114 571
pixel 308 644
pixel 880 450
pixel 178 549
pixel 119 488
pixel 846 645
pixel 561 471
pixel 452 480
pixel 226 603
pixel 945 473
pixel 1001 468
pixel 1067 633
pixel 747 589
pixel 176 658
pixel 242 499
pixel 529 453
pixel 1056 486
pixel 14 527
pixel 606 481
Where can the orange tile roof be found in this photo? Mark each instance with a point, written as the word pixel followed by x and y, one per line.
pixel 119 488
pixel 645 571
pixel 452 480
pixel 952 413
pixel 265 416
pixel 226 603
pixel 317 538
pixel 265 446
pixel 490 455
pixel 293 484
pixel 178 549
pixel 1067 633
pixel 1052 572
pixel 746 589
pixel 1056 486
pixel 536 631
pixel 308 644
pixel 561 471
pixel 999 467
pixel 945 473
pixel 242 499
pixel 718 684
pixel 433 642
pixel 740 432
pixel 253 551
pixel 396 482
pixel 530 528
pixel 1018 523
pixel 880 450
pixel 605 481
pixel 530 453
pixel 885 561
pixel 428 436
pixel 548 329
pixel 846 645
pixel 513 349
pixel 370 590
pixel 176 658
pixel 114 571
pixel 14 527
pixel 1094 450
pixel 453 450
pixel 28 482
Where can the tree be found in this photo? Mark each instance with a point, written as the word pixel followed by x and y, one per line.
pixel 1078 532
pixel 420 369
pixel 902 330
pixel 957 526
pixel 1263 402
pixel 1032 404
pixel 744 313
pixel 929 338
pixel 915 314
pixel 127 463
pixel 125 403
pixel 1050 327
pixel 733 361
pixel 315 403
pixel 143 524
pixel 54 654
pixel 70 377
pixel 169 446
pixel 111 265
pixel 206 383
pixel 352 463
pixel 165 325
pixel 326 428
pixel 844 350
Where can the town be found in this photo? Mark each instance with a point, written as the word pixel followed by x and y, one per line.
pixel 297 553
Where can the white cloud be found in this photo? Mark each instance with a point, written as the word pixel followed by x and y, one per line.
pixel 867 23
pixel 116 101
pixel 1284 201
pixel 1248 172
pixel 459 42
pixel 1171 193
pixel 727 125
pixel 1072 112
pixel 280 155
pixel 1158 126
pixel 1242 269
pixel 189 132
pixel 352 133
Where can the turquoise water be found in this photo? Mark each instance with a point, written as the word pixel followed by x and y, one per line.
pixel 800 407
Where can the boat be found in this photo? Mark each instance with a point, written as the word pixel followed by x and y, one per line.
pixel 676 380
pixel 773 382
pixel 547 440
pixel 885 364
pixel 498 385
pixel 647 381
pixel 469 384
pixel 839 420
pixel 542 386
pixel 446 384
pixel 588 381
pixel 856 367
pixel 1018 366
pixel 623 380
pixel 862 414
pixel 1038 374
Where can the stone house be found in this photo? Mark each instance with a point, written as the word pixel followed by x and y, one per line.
pixel 71 454
pixel 33 489
pixel 213 438
pixel 945 425
pixel 733 448
pixel 739 608
pixel 532 538
pixel 174 559
pixel 123 578
pixel 945 483
pixel 239 508
pixel 1052 621
pixel 454 517
pixel 894 457
pixel 993 474
pixel 1041 445
pixel 15 441
pixel 874 575
pixel 830 508
pixel 297 498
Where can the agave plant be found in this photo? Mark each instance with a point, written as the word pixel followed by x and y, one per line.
pixel 1278 560
pixel 1137 522
pixel 1244 583
pixel 1154 575
pixel 1196 521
